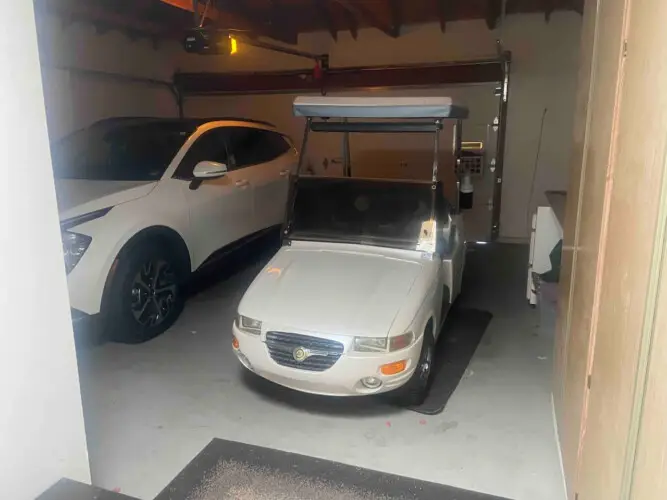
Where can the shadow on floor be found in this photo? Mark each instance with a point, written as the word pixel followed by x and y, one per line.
pixel 234 262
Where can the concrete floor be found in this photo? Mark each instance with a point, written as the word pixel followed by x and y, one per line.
pixel 151 408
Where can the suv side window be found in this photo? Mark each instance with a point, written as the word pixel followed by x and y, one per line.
pixel 277 144
pixel 211 146
pixel 251 146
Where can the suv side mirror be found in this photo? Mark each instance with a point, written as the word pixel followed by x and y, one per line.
pixel 209 170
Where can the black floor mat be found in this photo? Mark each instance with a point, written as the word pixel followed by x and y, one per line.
pixel 227 470
pixel 66 489
pixel 461 334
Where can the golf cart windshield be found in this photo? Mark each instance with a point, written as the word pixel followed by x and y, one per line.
pixel 395 213
pixel 363 211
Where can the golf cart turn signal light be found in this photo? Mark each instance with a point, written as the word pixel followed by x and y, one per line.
pixel 393 368
pixel 235 343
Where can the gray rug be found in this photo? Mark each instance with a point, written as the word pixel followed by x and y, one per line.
pixel 227 470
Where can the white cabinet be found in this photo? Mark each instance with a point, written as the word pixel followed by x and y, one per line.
pixel 547 231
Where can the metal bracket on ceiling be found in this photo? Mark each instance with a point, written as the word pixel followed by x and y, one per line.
pixel 195 12
pixel 321 60
pixel 199 20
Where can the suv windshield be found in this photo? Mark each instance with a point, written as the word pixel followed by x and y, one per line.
pixel 122 150
pixel 374 212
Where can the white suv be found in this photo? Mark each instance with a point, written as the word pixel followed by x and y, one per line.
pixel 143 202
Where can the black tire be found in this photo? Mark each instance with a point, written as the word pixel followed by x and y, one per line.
pixel 414 392
pixel 145 296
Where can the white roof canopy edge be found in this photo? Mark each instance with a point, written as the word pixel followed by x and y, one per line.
pixel 379 107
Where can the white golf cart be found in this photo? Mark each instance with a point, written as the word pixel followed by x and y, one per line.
pixel 353 302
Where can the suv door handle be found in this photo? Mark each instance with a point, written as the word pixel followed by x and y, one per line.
pixel 241 183
pixel 283 173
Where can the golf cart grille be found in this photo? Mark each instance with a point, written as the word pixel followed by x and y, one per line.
pixel 320 354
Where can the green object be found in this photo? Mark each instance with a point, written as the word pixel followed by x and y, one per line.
pixel 553 275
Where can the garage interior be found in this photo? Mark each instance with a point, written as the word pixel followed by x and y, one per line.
pixel 561 400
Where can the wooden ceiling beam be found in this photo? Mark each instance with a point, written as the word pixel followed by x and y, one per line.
pixel 324 14
pixel 548 9
pixel 396 16
pixel 577 6
pixel 493 11
pixel 80 10
pixel 442 8
pixel 141 9
pixel 281 22
pixel 210 12
pixel 352 24
pixel 274 30
pixel 238 11
pixel 359 11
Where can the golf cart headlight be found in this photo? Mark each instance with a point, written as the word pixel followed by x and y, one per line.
pixel 370 344
pixel 249 325
pixel 74 246
pixel 401 342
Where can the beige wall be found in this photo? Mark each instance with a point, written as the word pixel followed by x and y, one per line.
pixel 543 76
pixel 75 99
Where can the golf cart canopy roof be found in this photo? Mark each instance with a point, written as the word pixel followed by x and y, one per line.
pixel 379 107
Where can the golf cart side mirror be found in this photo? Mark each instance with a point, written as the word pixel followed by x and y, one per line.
pixel 207 170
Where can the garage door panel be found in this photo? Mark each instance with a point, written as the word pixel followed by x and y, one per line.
pixel 96 98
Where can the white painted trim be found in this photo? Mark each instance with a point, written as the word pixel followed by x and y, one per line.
pixel 560 452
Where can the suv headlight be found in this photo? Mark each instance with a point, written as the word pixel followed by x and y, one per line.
pixel 249 325
pixel 382 344
pixel 74 246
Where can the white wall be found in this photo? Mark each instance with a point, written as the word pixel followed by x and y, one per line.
pixel 543 76
pixel 75 99
pixel 41 422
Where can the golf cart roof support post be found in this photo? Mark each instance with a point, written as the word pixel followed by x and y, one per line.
pixel 304 142
pixel 456 150
pixel 347 167
pixel 434 176
pixel 291 195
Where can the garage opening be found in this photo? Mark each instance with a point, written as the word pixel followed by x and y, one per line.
pixel 336 249
pixel 153 402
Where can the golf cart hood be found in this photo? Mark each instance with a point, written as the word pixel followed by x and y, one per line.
pixel 332 291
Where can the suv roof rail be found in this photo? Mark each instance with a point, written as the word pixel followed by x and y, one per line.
pixel 196 120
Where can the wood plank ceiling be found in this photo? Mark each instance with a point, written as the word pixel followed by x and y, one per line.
pixel 283 20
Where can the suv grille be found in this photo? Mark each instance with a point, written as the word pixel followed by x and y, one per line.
pixel 323 352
